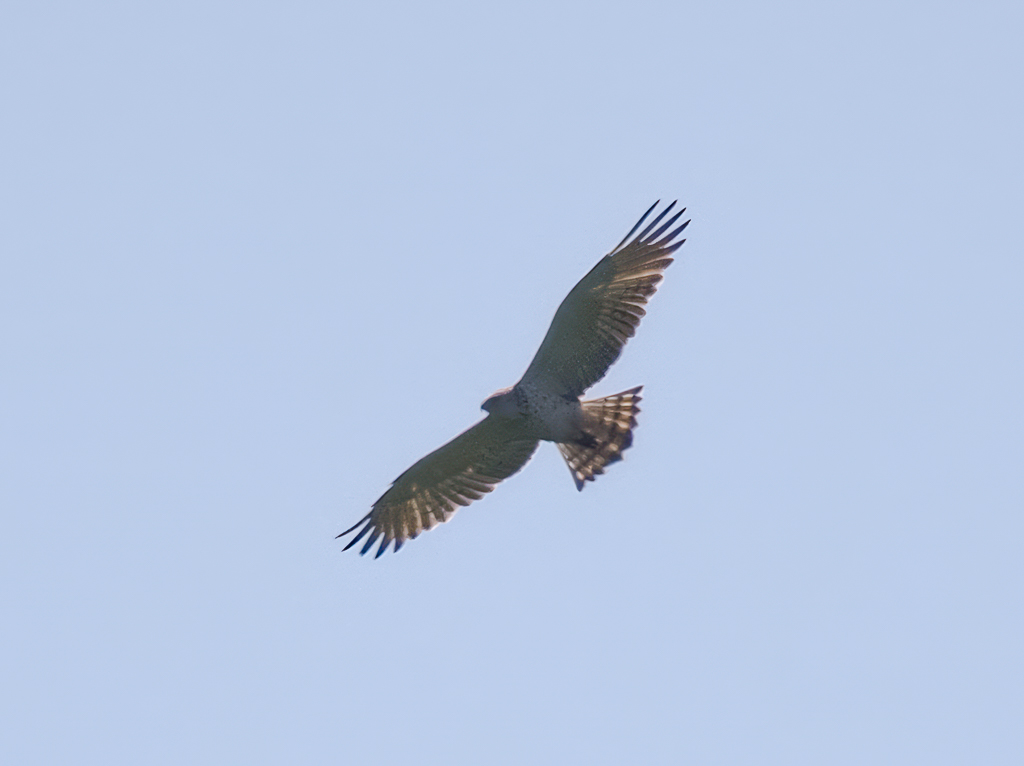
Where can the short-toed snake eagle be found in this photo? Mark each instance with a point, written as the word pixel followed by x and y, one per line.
pixel 586 336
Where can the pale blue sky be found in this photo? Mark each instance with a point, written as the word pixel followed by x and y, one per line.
pixel 259 258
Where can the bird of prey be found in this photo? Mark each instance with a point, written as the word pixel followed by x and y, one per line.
pixel 586 336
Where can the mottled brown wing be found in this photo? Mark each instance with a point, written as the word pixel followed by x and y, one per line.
pixel 602 312
pixel 463 470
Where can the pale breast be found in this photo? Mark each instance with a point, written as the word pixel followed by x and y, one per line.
pixel 550 417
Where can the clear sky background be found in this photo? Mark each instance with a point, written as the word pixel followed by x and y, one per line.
pixel 259 258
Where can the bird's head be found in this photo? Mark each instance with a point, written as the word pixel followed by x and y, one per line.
pixel 501 402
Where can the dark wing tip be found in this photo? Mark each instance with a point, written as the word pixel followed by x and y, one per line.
pixel 376 534
pixel 651 234
pixel 353 527
pixel 665 227
pixel 370 541
pixel 652 224
pixel 367 523
pixel 638 225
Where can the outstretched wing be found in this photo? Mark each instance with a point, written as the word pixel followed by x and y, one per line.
pixel 463 470
pixel 602 312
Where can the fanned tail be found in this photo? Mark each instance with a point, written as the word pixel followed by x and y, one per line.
pixel 607 432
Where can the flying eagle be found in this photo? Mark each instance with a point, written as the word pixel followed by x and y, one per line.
pixel 586 336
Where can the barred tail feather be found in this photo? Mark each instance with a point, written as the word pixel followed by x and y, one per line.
pixel 607 432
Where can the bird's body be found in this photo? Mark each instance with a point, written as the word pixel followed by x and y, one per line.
pixel 586 336
pixel 544 415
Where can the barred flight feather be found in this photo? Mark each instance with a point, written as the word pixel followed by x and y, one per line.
pixel 608 432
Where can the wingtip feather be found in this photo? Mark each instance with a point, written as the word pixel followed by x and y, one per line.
pixel 666 226
pixel 652 224
pixel 358 537
pixel 637 226
pixel 370 541
pixel 354 526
